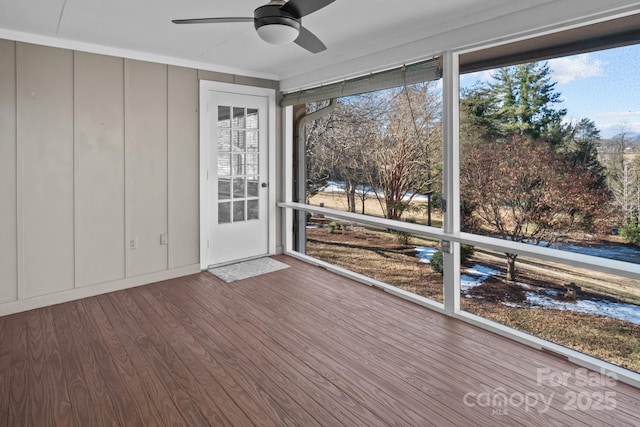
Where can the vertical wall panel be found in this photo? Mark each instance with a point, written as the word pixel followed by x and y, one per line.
pixel 145 166
pixel 8 220
pixel 45 168
pixel 99 168
pixel 183 149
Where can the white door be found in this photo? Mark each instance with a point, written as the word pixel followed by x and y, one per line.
pixel 237 177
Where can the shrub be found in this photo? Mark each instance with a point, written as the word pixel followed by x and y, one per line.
pixel 402 237
pixel 466 252
pixel 334 225
pixel 630 231
pixel 436 261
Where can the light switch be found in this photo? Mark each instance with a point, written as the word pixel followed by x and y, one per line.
pixel 163 239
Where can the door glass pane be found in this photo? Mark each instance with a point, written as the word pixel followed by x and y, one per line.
pixel 252 164
pixel 238 164
pixel 238 211
pixel 253 211
pixel 238 117
pixel 252 118
pixel 224 213
pixel 224 140
pixel 224 164
pixel 238 188
pixel 252 141
pixel 224 189
pixel 253 186
pixel 224 117
pixel 239 140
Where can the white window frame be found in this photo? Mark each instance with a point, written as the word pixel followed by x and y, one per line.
pixel 451 233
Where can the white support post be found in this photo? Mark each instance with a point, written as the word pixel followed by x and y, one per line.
pixel 287 179
pixel 451 184
pixel 299 177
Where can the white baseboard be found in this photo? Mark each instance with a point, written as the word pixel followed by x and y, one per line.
pixel 25 304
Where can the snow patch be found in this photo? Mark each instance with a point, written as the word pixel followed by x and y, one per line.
pixel 542 298
pixel 615 310
pixel 340 187
pixel 424 253
pixel 475 276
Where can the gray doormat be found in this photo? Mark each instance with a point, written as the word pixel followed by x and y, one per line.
pixel 246 269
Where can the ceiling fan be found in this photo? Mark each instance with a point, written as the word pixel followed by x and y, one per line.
pixel 278 22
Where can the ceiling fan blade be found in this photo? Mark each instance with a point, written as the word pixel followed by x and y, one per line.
pixel 302 8
pixel 309 41
pixel 211 20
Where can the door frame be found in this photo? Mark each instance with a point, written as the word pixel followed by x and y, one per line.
pixel 205 87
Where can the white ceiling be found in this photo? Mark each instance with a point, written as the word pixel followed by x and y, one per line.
pixel 360 34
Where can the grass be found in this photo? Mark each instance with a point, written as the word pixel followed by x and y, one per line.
pixel 613 340
pixel 377 254
pixel 372 207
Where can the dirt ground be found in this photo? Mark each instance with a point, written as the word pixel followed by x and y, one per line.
pixel 377 254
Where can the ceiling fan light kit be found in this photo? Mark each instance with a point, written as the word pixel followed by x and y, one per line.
pixel 277 33
pixel 275 25
pixel 278 22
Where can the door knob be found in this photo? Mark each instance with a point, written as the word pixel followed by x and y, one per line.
pixel 264 185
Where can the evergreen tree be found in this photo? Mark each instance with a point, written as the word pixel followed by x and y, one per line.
pixel 520 101
pixel 477 118
pixel 582 147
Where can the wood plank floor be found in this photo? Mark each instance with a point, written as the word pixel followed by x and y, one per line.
pixel 299 347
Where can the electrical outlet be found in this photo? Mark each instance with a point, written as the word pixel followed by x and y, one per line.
pixel 164 239
pixel 133 243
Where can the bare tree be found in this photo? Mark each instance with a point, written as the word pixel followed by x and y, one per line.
pixel 408 153
pixel 526 192
pixel 388 143
pixel 621 175
pixel 318 174
pixel 342 147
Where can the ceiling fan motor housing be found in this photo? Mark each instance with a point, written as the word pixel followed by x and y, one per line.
pixel 278 22
pixel 271 14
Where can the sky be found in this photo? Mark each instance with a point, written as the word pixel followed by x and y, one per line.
pixel 602 86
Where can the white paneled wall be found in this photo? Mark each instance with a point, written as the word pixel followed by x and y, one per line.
pixel 184 225
pixel 99 168
pixel 95 152
pixel 45 169
pixel 8 195
pixel 145 166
